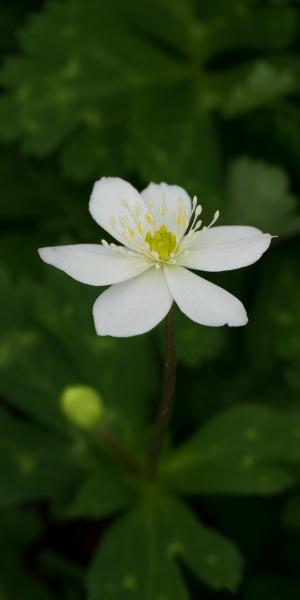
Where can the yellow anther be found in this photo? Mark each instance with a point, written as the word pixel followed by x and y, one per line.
pixel 130 231
pixel 163 210
pixel 136 211
pixel 162 242
pixel 140 228
pixel 181 220
pixel 149 218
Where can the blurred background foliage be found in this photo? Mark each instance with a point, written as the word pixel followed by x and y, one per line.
pixel 206 95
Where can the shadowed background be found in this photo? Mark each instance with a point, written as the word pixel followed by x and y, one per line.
pixel 204 94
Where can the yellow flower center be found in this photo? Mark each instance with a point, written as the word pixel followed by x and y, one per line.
pixel 162 241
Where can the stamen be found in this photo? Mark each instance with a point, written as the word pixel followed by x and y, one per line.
pixel 216 216
pixel 149 218
pixel 197 211
pixel 130 232
pixel 125 204
pixel 149 203
pixel 140 228
pixel 137 211
pixel 197 226
pixel 142 248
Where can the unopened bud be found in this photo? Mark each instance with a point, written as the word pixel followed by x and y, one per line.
pixel 82 405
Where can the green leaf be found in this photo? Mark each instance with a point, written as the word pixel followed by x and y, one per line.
pixel 20 531
pixel 48 337
pixel 37 192
pixel 176 141
pixel 259 195
pixel 209 555
pixel 105 492
pixel 230 26
pixel 20 527
pixel 73 87
pixel 144 104
pixel 34 464
pixel 184 32
pixel 238 451
pixel 243 88
pixel 279 316
pixel 159 534
pixel 133 562
pixel 196 344
pixel 103 145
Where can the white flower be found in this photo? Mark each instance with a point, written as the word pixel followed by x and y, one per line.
pixel 161 236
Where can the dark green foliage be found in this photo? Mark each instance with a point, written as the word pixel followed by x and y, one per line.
pixel 160 533
pixel 20 530
pixel 236 453
pixel 205 95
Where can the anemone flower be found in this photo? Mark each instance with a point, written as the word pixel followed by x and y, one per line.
pixel 159 238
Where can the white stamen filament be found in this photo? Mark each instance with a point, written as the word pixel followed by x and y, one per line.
pixel 152 223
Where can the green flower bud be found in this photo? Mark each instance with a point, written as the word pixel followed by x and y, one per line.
pixel 82 405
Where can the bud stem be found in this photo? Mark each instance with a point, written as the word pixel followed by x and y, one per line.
pixel 117 449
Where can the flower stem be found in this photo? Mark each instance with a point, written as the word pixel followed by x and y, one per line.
pixel 167 396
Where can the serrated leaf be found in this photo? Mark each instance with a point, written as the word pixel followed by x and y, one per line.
pixel 63 90
pixel 211 557
pixel 132 562
pixel 58 94
pixel 160 534
pixel 259 195
pixel 243 88
pixel 239 451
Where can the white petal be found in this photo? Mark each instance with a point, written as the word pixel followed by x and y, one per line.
pixel 203 301
pixel 94 264
pixel 111 205
pixel 163 198
pixel 133 307
pixel 225 248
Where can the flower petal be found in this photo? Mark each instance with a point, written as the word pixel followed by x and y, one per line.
pixel 133 307
pixel 94 264
pixel 225 248
pixel 202 301
pixel 111 205
pixel 163 202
